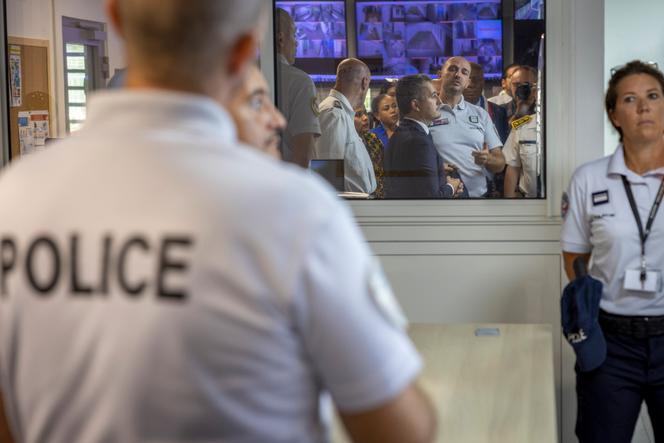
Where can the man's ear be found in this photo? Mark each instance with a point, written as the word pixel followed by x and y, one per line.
pixel 365 83
pixel 415 105
pixel 113 12
pixel 242 53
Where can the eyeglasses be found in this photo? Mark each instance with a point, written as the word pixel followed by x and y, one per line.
pixel 619 67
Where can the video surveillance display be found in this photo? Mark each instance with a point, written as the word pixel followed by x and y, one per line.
pixel 398 38
pixel 529 9
pixel 320 28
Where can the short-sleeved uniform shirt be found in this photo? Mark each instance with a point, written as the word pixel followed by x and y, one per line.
pixel 340 140
pixel 598 220
pixel 522 150
pixel 297 101
pixel 458 132
pixel 170 284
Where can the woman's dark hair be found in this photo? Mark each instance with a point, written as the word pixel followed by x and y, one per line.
pixel 631 68
pixel 375 103
pixel 387 85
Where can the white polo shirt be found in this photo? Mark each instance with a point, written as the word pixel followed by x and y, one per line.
pixel 162 282
pixel 522 150
pixel 458 132
pixel 340 140
pixel 297 101
pixel 599 220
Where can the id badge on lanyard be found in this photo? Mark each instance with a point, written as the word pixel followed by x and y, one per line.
pixel 643 279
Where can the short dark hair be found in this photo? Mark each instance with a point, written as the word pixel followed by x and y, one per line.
pixel 375 103
pixel 526 68
pixel 386 86
pixel 507 68
pixel 631 68
pixel 409 88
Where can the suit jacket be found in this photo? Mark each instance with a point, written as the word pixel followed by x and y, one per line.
pixel 413 168
pixel 500 117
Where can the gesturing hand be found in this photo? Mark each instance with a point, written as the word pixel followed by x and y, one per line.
pixel 482 157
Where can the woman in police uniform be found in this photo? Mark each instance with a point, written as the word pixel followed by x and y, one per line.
pixel 611 215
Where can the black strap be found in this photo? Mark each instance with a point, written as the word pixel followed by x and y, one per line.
pixel 643 234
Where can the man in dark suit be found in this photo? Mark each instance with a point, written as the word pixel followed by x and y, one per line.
pixel 413 168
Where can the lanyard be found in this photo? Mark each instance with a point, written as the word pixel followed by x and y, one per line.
pixel 643 234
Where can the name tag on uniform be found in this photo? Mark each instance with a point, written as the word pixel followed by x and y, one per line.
pixel 474 119
pixel 442 121
pixel 652 283
pixel 600 198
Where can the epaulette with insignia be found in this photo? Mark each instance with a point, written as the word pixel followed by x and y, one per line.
pixel 516 124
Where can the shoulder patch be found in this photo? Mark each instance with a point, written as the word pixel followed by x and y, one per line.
pixel 516 124
pixel 564 205
pixel 314 106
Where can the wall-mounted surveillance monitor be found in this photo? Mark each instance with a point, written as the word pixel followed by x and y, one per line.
pixel 321 35
pixel 529 9
pixel 397 38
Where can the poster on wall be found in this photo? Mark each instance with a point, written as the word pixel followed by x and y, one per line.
pixel 33 131
pixel 16 85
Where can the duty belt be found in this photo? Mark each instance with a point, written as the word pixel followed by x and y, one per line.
pixel 633 326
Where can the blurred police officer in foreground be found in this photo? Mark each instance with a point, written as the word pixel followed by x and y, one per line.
pixel 167 283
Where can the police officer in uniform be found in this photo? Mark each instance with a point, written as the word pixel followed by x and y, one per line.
pixel 464 135
pixel 614 221
pixel 522 149
pixel 144 294
pixel 339 139
pixel 296 96
pixel 523 153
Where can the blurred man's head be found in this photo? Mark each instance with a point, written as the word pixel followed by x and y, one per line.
pixel 455 76
pixel 353 78
pixel 506 79
pixel 524 84
pixel 475 88
pixel 259 123
pixel 285 35
pixel 198 46
pixel 417 98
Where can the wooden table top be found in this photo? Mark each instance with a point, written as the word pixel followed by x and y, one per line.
pixel 488 388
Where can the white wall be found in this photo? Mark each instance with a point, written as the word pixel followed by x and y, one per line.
pixel 634 31
pixel 29 19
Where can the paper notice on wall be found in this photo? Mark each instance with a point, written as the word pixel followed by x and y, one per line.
pixel 33 130
pixel 15 82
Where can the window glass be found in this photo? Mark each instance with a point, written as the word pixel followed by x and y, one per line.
pixel 472 128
